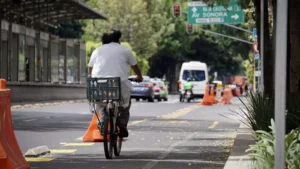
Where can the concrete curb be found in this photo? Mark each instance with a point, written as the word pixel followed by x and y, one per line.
pixel 238 158
pixel 37 151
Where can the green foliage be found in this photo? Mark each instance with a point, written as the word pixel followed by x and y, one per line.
pixel 249 71
pixel 263 152
pixel 257 111
pixel 160 40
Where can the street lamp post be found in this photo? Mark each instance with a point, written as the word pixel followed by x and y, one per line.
pixel 280 82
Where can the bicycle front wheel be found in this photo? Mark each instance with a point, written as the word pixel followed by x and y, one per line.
pixel 107 137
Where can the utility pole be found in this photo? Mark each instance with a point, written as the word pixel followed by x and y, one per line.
pixel 280 82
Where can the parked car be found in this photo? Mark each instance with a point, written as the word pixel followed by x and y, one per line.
pixel 160 91
pixel 143 90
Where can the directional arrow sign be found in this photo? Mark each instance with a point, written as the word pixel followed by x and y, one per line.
pixel 201 13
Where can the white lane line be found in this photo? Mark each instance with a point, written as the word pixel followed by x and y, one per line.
pixel 79 138
pixel 152 164
pixel 85 113
pixel 30 120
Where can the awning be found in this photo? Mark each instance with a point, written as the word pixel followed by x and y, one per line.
pixel 49 12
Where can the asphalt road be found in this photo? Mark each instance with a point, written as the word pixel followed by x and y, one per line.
pixel 164 135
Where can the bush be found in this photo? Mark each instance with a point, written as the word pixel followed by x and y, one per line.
pixel 258 110
pixel 263 152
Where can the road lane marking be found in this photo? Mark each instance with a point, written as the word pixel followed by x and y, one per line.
pixel 79 138
pixel 63 151
pixel 30 120
pixel 213 125
pixel 179 113
pixel 165 154
pixel 85 113
pixel 178 122
pixel 137 122
pixel 79 144
pixel 39 159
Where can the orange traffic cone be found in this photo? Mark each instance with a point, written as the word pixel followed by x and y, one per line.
pixel 93 134
pixel 206 101
pixel 226 97
pixel 212 96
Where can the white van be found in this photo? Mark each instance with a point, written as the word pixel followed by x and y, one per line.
pixel 197 72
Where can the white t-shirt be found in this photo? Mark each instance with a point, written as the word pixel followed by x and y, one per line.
pixel 112 60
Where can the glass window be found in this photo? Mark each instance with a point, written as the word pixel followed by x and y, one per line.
pixel 194 75
pixel 83 69
pixel 54 62
pixel 21 67
pixel 76 63
pixel 70 65
pixel 62 54
pixel 4 52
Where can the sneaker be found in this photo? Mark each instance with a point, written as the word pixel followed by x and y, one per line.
pixel 101 128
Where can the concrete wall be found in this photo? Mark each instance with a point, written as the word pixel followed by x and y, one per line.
pixel 31 92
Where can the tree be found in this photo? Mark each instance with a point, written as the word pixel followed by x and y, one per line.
pixel 132 18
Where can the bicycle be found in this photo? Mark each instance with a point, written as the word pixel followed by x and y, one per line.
pixel 108 92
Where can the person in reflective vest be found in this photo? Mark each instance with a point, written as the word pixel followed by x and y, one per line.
pixel 188 86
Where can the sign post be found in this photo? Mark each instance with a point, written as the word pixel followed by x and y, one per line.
pixel 201 13
pixel 219 92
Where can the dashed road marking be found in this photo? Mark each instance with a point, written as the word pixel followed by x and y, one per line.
pixel 39 159
pixel 62 151
pixel 85 113
pixel 179 113
pixel 213 125
pixel 79 144
pixel 137 122
pixel 178 122
pixel 30 120
pixel 79 138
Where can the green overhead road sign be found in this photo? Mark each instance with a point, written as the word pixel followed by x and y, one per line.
pixel 201 13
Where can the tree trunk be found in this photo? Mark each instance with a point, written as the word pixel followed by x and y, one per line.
pixel 294 33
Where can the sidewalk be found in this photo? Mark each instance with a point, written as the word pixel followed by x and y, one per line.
pixel 238 159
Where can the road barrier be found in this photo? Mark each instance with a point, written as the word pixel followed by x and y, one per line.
pixel 206 100
pixel 227 95
pixel 93 134
pixel 11 156
pixel 212 96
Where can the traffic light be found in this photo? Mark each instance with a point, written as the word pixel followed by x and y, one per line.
pixel 189 29
pixel 176 10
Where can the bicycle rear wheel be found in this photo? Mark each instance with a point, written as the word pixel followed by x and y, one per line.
pixel 108 137
pixel 118 144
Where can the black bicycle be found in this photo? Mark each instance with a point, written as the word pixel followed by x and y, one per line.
pixel 107 92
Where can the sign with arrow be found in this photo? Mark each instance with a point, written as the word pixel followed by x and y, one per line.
pixel 201 13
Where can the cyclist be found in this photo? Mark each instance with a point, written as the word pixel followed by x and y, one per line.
pixel 112 60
